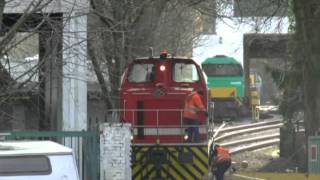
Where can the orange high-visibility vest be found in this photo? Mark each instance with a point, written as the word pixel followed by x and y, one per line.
pixel 222 154
pixel 193 104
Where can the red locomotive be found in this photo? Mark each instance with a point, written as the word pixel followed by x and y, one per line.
pixel 152 95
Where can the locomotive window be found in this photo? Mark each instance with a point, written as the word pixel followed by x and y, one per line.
pixel 222 69
pixel 184 72
pixel 141 73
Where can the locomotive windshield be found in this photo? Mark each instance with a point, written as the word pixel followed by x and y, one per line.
pixel 185 72
pixel 140 73
pixel 222 69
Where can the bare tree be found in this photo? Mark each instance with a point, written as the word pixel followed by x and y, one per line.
pixel 122 30
pixel 10 81
pixel 31 49
pixel 6 43
pixel 307 44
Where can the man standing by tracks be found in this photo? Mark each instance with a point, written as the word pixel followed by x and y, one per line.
pixel 192 108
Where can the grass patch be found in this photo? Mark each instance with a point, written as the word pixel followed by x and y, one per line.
pixel 275 176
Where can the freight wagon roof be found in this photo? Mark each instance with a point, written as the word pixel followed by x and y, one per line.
pixel 220 60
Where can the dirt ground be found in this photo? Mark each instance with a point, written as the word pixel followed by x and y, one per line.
pixel 263 160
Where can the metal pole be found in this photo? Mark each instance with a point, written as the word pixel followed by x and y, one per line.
pixel 157 125
pixel 181 126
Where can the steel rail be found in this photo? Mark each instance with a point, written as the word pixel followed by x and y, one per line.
pixel 255 146
pixel 250 130
pixel 239 127
pixel 250 140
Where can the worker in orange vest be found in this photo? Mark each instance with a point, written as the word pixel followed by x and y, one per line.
pixel 192 107
pixel 221 160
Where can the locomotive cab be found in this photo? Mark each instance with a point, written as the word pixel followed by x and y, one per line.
pixel 152 97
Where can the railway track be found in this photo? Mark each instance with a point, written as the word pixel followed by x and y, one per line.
pixel 249 136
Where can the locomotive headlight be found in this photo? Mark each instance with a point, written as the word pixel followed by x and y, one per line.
pixel 162 68
pixel 132 133
pixel 186 137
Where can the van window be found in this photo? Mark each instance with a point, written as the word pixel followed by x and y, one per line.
pixel 24 165
pixel 140 73
pixel 185 72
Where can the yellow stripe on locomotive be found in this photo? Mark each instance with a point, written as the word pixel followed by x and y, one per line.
pixel 168 161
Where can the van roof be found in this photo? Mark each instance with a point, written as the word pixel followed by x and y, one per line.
pixel 18 148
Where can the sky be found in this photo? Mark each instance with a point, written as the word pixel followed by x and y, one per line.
pixel 229 38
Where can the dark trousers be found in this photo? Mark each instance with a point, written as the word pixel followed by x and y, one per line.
pixel 193 131
pixel 222 167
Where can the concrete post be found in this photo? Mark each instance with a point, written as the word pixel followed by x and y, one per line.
pixel 75 72
pixel 74 80
pixel 115 151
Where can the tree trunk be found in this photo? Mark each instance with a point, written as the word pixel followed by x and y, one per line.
pixel 307 15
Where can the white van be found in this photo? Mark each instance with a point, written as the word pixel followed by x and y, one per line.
pixel 36 160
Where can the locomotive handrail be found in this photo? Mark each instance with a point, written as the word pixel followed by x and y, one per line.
pixel 169 126
pixel 158 126
pixel 119 110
